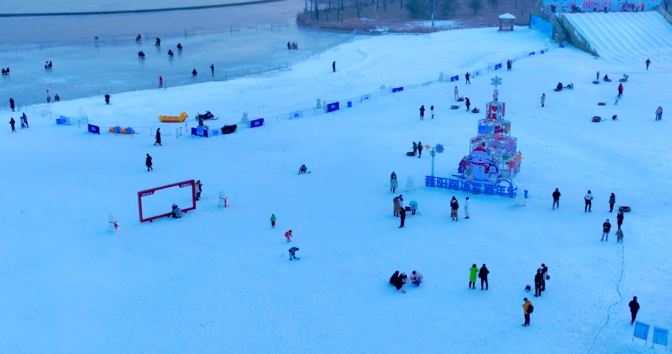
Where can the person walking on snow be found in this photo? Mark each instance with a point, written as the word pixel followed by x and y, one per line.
pixel 456 91
pixel 483 274
pixel 12 122
pixel 606 227
pixel 556 199
pixel 273 220
pixel 659 113
pixel 466 81
pixel 619 235
pixel 292 253
pixel 160 81
pixel 543 99
pixel 472 276
pixel 288 235
pixel 11 102
pixel 199 189
pixel 393 182
pixel 634 308
pixel 597 76
pixel 415 148
pixel 647 62
pixel 612 201
pixel 107 99
pixel 454 206
pixel 158 137
pixel 419 149
pixel 466 208
pixel 544 275
pixel 25 120
pixel 333 67
pixel 468 103
pixel 527 310
pixel 589 201
pixel 422 112
pixel 620 90
pixel 396 206
pixel 148 163
pixel 402 216
pixel 538 278
pixel 619 219
pixel 508 65
pixel 212 69
pixel 431 109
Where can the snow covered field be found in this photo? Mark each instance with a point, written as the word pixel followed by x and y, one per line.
pixel 217 281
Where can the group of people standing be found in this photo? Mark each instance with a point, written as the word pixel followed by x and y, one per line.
pixel 422 111
pixel 24 122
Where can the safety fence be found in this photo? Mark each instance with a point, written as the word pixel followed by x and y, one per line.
pixel 151 36
pixel 329 106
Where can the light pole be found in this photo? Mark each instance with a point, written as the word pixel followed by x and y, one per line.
pixel 433 1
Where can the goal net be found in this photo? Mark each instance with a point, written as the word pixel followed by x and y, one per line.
pixel 156 203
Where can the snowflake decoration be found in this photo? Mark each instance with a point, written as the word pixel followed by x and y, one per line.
pixel 496 81
pixel 439 148
pixel 506 156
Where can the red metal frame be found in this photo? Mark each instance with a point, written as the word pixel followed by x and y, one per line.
pixel 151 191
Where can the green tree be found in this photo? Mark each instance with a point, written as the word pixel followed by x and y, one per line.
pixel 475 5
pixel 417 8
pixel 448 7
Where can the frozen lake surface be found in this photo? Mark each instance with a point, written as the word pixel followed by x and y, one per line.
pixel 90 70
pixel 55 6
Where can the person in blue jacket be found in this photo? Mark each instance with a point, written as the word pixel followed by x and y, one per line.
pixel 292 253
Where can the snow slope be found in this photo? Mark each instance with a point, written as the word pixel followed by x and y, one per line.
pixel 217 281
pixel 626 37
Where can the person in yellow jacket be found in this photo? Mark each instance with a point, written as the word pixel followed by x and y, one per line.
pixel 527 310
pixel 472 276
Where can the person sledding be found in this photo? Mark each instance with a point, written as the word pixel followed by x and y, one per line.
pixel 176 213
pixel 138 38
pixel 416 278
pixel 292 253
pixel 158 42
pixel 179 46
pixel 303 169
pixel 559 87
pixel 141 55
pixel 606 78
pixel 170 53
pixel 394 278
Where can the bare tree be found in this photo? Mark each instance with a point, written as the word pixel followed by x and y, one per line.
pixel 475 5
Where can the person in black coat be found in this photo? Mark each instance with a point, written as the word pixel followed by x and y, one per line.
pixel 634 307
pixel 467 102
pixel 454 207
pixel 419 149
pixel 11 104
pixel 466 79
pixel 508 65
pixel 158 137
pixel 148 163
pixel 402 215
pixel 401 281
pixel 212 69
pixel 483 274
pixel 422 112
pixel 606 227
pixel 12 122
pixel 107 99
pixel 537 283
pixel 556 199
pixel 395 276
pixel 333 67
pixel 544 274
pixel 619 219
pixel 194 72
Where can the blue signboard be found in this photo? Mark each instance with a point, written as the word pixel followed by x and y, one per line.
pixel 397 89
pixel 333 107
pixel 257 123
pixel 94 129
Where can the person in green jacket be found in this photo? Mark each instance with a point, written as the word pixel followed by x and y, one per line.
pixel 273 220
pixel 472 276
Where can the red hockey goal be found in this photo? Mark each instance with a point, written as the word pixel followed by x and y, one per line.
pixel 152 202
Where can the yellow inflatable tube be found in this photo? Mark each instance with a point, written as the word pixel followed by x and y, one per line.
pixel 173 119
